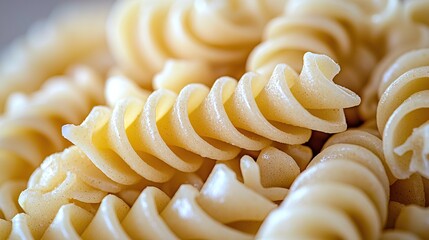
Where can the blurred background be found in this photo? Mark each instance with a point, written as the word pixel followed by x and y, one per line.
pixel 16 16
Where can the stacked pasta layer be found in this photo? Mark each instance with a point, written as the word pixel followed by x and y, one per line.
pixel 210 116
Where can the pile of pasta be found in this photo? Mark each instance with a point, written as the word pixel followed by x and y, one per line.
pixel 226 119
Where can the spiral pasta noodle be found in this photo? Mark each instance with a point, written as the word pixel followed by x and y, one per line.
pixel 254 180
pixel 209 39
pixel 30 127
pixel 404 29
pixel 356 177
pixel 167 130
pixel 75 175
pixel 71 35
pixel 402 114
pixel 256 183
pixel 320 27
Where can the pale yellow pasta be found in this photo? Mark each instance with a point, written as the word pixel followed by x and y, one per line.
pixel 277 168
pixel 20 228
pixel 70 177
pixel 412 223
pixel 119 87
pixel 402 26
pixel 224 201
pixel 144 34
pixel 200 158
pixel 342 194
pixel 364 139
pixel 9 192
pixel 73 34
pixel 321 27
pixel 403 114
pixel 69 223
pixel 153 138
pixel 30 128
pixel 403 29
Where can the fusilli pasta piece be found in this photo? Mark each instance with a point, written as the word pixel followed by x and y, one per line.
pixel 321 27
pixel 30 127
pixel 205 38
pixel 223 208
pixel 73 34
pixel 342 194
pixel 170 132
pixel 403 114
pixel 403 30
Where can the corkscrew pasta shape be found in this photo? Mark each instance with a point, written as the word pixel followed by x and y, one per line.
pixel 154 138
pixel 320 27
pixel 30 127
pixel 403 114
pixel 357 179
pixel 404 29
pixel 144 34
pixel 255 183
pixel 70 36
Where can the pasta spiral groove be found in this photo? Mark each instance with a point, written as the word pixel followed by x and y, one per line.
pixel 403 114
pixel 246 184
pixel 29 129
pixel 167 130
pixel 320 27
pixel 356 177
pixel 404 29
pixel 144 34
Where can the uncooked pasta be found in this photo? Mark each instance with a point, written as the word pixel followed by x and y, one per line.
pixel 71 35
pixel 346 171
pixel 320 27
pixel 199 119
pixel 403 114
pixel 30 126
pixel 40 205
pixel 218 36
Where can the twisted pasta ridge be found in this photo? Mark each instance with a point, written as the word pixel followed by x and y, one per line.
pixel 71 35
pixel 403 114
pixel 224 208
pixel 355 176
pixel 144 34
pixel 405 30
pixel 155 138
pixel 30 127
pixel 412 224
pixel 320 27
